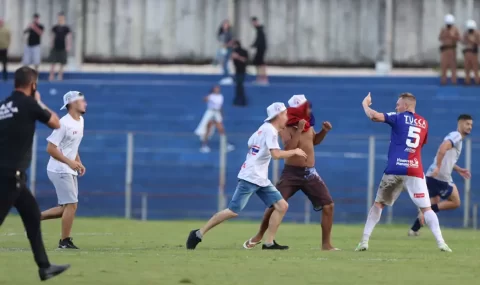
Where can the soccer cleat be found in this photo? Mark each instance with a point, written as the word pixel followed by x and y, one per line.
pixel 444 247
pixel 193 240
pixel 67 244
pixel 275 246
pixel 52 271
pixel 248 244
pixel 412 233
pixel 362 246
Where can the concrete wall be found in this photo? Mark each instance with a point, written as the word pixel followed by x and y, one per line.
pixel 338 32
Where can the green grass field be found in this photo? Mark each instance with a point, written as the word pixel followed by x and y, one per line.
pixel 132 252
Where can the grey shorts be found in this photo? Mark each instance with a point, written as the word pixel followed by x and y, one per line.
pixel 32 55
pixel 66 186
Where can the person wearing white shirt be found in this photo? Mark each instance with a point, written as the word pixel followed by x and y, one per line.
pixel 212 118
pixel 65 165
pixel 442 191
pixel 253 179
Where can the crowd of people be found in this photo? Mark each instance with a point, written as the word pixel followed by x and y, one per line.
pixel 60 44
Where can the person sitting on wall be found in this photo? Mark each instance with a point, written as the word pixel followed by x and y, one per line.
pixel 449 36
pixel 471 40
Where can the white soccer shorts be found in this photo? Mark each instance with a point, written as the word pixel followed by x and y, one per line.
pixel 66 186
pixel 392 185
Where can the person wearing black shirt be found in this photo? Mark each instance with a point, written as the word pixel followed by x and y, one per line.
pixel 61 45
pixel 240 60
pixel 32 53
pixel 18 114
pixel 260 45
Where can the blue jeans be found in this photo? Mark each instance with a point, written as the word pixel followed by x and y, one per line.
pixel 226 60
pixel 269 195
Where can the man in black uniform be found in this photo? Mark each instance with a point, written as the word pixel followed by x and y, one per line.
pixel 18 114
pixel 261 45
pixel 240 60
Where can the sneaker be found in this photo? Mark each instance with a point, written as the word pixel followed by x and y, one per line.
pixel 193 240
pixel 275 246
pixel 67 244
pixel 412 233
pixel 205 149
pixel 52 271
pixel 248 244
pixel 362 246
pixel 444 247
pixel 226 81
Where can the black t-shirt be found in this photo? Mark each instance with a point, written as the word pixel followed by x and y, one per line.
pixel 33 37
pixel 61 33
pixel 240 66
pixel 18 114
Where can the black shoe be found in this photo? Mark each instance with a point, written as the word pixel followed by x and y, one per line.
pixel 193 240
pixel 52 271
pixel 275 246
pixel 67 244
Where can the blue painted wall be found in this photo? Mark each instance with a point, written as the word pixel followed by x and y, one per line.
pixel 163 111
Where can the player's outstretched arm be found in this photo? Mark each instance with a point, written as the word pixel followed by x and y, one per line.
pixel 371 114
pixel 280 154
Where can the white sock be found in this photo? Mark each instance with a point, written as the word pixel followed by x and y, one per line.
pixel 431 220
pixel 372 220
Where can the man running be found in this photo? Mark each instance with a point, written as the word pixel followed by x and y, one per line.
pixel 65 164
pixel 439 175
pixel 253 178
pixel 300 174
pixel 404 166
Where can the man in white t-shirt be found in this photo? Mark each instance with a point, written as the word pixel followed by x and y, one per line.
pixel 253 179
pixel 65 165
pixel 442 191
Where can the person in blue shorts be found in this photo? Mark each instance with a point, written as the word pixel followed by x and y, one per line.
pixel 253 179
pixel 443 192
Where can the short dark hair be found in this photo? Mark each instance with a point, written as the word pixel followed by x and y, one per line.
pixel 61 13
pixel 36 15
pixel 24 76
pixel 254 19
pixel 464 117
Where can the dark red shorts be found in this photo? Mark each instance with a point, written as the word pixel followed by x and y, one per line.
pixel 308 181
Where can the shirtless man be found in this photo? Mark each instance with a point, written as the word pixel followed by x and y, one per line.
pixel 300 174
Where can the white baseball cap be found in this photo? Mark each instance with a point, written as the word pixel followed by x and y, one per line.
pixel 471 24
pixel 70 97
pixel 274 109
pixel 297 100
pixel 449 19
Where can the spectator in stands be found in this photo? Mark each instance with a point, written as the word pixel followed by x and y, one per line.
pixel 225 37
pixel 32 53
pixel 449 36
pixel 5 39
pixel 260 45
pixel 61 45
pixel 471 40
pixel 240 60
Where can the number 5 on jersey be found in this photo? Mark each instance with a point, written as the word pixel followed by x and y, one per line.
pixel 413 137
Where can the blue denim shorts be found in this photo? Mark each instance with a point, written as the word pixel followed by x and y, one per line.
pixel 269 195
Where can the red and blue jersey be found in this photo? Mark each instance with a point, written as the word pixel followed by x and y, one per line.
pixel 409 135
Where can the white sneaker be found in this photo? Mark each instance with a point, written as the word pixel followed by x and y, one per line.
pixel 205 149
pixel 412 233
pixel 362 246
pixel 226 81
pixel 444 247
pixel 230 147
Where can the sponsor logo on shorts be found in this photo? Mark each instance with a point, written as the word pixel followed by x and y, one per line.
pixel 409 163
pixel 419 195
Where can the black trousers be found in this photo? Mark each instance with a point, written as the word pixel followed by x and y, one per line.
pixel 15 193
pixel 240 98
pixel 3 59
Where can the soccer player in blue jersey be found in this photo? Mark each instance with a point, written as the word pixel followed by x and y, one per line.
pixel 404 167
pixel 439 175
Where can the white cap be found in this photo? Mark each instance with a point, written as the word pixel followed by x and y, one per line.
pixel 449 19
pixel 297 100
pixel 70 97
pixel 275 109
pixel 471 25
